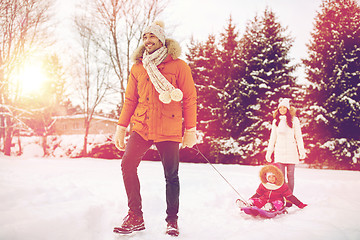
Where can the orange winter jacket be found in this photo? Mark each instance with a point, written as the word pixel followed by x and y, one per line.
pixel 150 118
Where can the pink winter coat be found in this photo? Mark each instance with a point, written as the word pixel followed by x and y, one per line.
pixel 268 195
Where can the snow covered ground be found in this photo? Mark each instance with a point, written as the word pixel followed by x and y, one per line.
pixel 83 199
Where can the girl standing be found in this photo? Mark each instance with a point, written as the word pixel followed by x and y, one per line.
pixel 286 140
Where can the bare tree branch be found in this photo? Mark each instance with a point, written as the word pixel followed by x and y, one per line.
pixel 117 31
pixel 23 26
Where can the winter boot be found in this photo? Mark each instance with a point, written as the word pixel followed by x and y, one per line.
pixel 131 223
pixel 172 228
pixel 288 203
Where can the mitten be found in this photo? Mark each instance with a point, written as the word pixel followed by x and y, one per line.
pixel 189 139
pixel 268 157
pixel 302 155
pixel 119 137
pixel 268 206
pixel 302 205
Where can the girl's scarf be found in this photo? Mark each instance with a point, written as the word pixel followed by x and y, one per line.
pixel 166 90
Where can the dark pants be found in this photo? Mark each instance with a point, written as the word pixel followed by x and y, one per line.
pixel 169 154
pixel 289 174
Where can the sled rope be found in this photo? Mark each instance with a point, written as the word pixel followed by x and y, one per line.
pixel 199 152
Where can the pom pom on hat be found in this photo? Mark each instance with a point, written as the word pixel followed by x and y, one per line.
pixel 157 28
pixel 159 23
pixel 285 102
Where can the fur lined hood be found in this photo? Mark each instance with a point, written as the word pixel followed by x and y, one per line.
pixel 278 174
pixel 174 50
pixel 292 112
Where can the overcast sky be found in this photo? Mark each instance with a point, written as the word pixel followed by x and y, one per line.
pixel 199 18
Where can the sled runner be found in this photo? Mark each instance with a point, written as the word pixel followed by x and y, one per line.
pixel 255 211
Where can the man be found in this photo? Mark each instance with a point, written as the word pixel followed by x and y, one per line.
pixel 160 88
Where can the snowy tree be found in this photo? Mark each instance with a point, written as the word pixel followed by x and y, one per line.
pixel 332 66
pixel 228 52
pixel 212 66
pixel 204 63
pixel 262 77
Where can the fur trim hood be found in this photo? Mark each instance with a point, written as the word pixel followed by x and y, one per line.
pixel 292 112
pixel 174 50
pixel 278 174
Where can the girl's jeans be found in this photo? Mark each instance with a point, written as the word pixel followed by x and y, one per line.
pixel 290 171
pixel 169 154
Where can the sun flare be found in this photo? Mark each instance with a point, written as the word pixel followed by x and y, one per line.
pixel 31 78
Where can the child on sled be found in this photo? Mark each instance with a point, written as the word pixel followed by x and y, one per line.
pixel 272 193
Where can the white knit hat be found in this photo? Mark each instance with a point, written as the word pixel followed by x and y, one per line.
pixel 157 28
pixel 285 102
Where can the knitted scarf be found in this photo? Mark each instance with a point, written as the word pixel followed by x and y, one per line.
pixel 166 90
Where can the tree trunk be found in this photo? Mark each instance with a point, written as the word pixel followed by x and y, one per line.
pixel 87 126
pixel 2 132
pixel 19 143
pixel 44 144
pixel 8 140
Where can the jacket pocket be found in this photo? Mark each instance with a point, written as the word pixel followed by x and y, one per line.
pixel 171 123
pixel 138 119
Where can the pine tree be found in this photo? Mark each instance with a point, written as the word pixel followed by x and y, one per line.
pixel 333 67
pixel 262 77
pixel 228 52
pixel 204 63
pixel 212 66
pixel 229 62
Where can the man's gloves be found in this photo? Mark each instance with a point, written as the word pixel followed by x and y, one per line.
pixel 302 155
pixel 189 139
pixel 119 137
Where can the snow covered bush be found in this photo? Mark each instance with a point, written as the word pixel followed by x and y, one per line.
pixel 62 146
pixel 335 154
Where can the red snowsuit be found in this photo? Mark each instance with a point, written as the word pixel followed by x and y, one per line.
pixel 274 193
